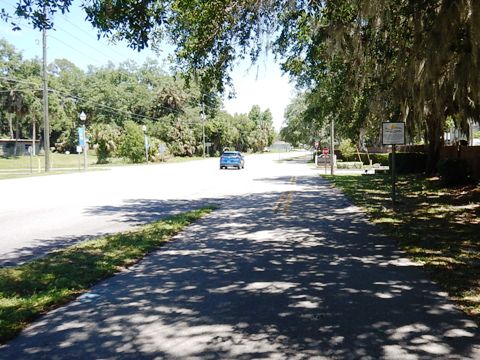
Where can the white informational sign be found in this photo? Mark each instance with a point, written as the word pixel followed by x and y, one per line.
pixel 393 133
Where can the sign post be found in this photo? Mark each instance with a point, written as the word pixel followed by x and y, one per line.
pixel 161 150
pixel 82 139
pixel 145 142
pixel 393 133
pixel 30 152
pixel 325 152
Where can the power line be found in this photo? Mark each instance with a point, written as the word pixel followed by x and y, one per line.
pixel 83 53
pixel 60 29
pixel 66 18
pixel 99 105
pixel 85 43
pixel 8 78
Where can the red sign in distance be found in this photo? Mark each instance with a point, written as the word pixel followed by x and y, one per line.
pixel 325 151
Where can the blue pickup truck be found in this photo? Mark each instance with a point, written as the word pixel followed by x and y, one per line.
pixel 232 159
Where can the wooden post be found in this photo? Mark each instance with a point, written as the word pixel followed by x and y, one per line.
pixel 393 175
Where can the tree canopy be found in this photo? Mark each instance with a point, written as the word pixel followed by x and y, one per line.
pixel 363 62
pixel 119 101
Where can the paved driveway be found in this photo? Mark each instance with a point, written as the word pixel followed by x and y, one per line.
pixel 296 274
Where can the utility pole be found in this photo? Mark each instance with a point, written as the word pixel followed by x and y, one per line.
pixel 394 177
pixel 203 126
pixel 46 126
pixel 332 147
pixel 145 142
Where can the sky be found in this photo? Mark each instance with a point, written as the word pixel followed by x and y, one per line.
pixel 75 39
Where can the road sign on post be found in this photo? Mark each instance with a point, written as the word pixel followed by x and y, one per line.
pixel 393 133
pixel 81 136
pixel 325 152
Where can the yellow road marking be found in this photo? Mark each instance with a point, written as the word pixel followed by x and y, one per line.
pixel 278 202
pixel 285 199
pixel 288 202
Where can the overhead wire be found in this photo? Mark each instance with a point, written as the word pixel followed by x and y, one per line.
pixel 84 54
pixel 99 105
pixel 67 19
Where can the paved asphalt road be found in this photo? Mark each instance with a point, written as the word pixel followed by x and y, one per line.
pixel 293 271
pixel 43 213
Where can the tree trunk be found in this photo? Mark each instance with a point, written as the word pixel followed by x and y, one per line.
pixel 434 143
pixel 34 135
pixel 10 125
pixel 17 130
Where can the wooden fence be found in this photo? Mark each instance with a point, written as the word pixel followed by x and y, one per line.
pixel 471 154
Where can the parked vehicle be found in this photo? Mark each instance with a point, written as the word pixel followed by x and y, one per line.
pixel 232 159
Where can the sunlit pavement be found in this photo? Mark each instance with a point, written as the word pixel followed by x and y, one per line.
pixel 293 273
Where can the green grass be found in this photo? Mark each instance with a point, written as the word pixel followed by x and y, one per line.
pixel 28 290
pixel 73 161
pixel 437 227
pixel 22 166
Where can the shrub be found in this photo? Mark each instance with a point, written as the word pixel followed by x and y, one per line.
pixel 132 146
pixel 453 172
pixel 347 149
pixel 104 139
pixel 349 165
pixel 409 163
pixel 381 159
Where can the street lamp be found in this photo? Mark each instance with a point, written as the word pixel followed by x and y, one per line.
pixel 83 118
pixel 145 140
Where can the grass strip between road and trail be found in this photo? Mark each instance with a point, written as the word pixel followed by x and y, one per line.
pixel 28 290
pixel 24 166
pixel 436 226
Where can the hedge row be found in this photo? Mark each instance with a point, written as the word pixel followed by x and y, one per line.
pixel 381 159
pixel 453 172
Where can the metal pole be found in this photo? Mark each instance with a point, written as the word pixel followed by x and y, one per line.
pixel 146 146
pixel 393 175
pixel 85 147
pixel 203 127
pixel 145 142
pixel 46 126
pixel 326 165
pixel 332 149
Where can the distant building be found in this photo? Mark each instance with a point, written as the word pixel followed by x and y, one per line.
pixel 280 146
pixel 18 147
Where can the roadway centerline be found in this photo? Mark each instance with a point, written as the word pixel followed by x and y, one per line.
pixel 285 199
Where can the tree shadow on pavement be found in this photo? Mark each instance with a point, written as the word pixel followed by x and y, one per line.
pixel 143 211
pixel 131 213
pixel 265 276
